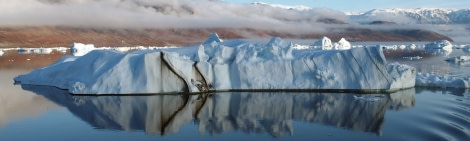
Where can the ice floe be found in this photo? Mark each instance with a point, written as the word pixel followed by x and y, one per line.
pixel 413 58
pixel 40 50
pixel 433 80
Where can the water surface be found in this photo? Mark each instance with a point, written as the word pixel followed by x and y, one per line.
pixel 30 112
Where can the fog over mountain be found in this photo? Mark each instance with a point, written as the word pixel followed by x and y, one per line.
pixel 126 22
pixel 159 14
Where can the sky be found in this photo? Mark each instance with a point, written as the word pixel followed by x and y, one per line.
pixel 365 5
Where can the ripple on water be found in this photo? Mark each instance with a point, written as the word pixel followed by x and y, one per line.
pixel 441 116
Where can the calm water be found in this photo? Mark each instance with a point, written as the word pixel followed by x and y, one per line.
pixel 46 113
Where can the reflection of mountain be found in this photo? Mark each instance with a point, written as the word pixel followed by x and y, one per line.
pixel 18 104
pixel 217 113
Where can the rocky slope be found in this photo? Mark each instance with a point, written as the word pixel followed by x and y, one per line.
pixel 49 36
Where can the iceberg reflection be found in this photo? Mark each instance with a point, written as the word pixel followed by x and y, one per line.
pixel 257 112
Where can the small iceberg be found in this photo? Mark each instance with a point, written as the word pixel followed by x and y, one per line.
pixel 433 80
pixel 441 44
pixel 325 44
pixel 79 49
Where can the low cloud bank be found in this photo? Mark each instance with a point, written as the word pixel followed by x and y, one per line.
pixel 160 14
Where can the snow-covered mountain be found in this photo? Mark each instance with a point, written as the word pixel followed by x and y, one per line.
pixel 297 7
pixel 398 15
pixel 414 16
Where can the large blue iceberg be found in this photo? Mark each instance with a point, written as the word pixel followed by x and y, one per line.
pixel 217 65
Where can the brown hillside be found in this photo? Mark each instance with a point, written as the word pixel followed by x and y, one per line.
pixel 65 36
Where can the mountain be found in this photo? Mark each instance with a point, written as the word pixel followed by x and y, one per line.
pixel 414 16
pixel 297 7
pixel 397 15
pixel 48 36
pixel 187 23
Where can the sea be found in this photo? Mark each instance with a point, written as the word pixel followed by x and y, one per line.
pixel 29 112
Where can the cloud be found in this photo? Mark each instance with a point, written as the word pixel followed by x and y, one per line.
pixel 164 14
pixel 159 14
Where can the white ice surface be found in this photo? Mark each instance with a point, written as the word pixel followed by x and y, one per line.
pixel 229 65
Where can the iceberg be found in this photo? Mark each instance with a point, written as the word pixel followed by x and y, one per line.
pixel 411 47
pixel 235 65
pixel 433 80
pixel 79 49
pixel 324 43
pixel 343 44
pixel 440 48
pixel 441 44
